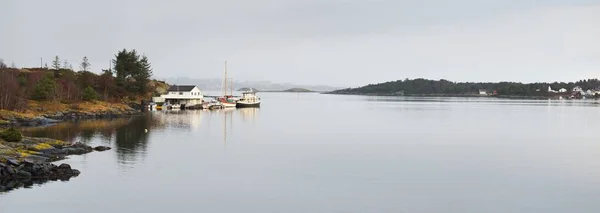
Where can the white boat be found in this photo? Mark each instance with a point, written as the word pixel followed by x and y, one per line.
pixel 175 106
pixel 249 99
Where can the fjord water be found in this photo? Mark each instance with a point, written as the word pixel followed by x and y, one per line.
pixel 326 153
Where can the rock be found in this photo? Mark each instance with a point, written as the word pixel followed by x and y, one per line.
pixel 102 148
pixel 64 166
pixel 12 161
pixel 28 161
pixel 75 151
pixel 10 170
pixel 75 172
pixel 23 174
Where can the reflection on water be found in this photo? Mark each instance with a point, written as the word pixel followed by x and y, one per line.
pixel 129 136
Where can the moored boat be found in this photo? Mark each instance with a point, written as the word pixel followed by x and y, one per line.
pixel 249 99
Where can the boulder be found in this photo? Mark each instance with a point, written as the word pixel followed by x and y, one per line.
pixel 23 174
pixel 12 161
pixel 64 166
pixel 102 148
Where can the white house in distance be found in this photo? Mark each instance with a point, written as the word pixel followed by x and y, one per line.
pixel 185 95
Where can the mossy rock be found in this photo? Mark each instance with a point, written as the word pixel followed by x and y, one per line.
pixel 11 135
pixel 42 146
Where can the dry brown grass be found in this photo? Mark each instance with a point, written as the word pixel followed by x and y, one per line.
pixel 36 108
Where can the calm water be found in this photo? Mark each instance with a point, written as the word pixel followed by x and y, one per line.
pixel 323 153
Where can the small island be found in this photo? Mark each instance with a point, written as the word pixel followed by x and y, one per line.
pixel 297 90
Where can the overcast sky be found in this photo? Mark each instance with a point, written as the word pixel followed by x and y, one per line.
pixel 335 42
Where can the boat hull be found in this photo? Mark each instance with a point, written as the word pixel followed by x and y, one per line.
pixel 228 105
pixel 247 105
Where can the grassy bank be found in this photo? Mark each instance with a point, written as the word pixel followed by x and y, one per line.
pixel 36 109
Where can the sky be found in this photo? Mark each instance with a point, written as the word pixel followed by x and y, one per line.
pixel 332 42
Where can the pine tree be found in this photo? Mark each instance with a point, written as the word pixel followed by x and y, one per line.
pixel 89 94
pixel 56 63
pixel 44 90
pixel 85 64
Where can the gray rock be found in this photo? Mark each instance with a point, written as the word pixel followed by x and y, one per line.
pixel 64 166
pixel 23 174
pixel 12 161
pixel 10 171
pixel 102 148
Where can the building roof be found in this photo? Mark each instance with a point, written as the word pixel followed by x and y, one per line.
pixel 181 88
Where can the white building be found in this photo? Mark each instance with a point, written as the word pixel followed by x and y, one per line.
pixel 482 92
pixel 578 89
pixel 562 90
pixel 181 94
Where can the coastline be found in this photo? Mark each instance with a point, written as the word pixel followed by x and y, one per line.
pixel 513 97
pixel 44 113
pixel 29 161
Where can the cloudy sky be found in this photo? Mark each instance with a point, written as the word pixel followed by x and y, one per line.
pixel 335 42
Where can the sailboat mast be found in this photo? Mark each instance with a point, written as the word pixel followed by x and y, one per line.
pixel 225 80
pixel 231 86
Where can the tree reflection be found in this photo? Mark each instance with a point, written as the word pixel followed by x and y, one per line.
pixel 132 139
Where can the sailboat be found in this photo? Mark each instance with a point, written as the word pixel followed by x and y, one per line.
pixel 227 100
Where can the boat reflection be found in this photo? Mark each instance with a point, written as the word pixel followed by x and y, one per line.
pixel 248 114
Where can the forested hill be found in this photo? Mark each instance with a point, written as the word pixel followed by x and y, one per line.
pixel 444 87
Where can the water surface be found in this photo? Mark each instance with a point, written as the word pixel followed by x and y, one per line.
pixel 327 153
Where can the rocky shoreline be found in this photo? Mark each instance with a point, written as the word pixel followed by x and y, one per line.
pixel 58 117
pixel 29 161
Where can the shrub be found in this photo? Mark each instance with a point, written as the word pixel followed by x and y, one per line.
pixel 11 135
pixel 44 90
pixel 89 94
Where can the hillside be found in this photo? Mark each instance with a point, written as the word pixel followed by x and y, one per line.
pixel 443 87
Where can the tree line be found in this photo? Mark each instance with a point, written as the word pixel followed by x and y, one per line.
pixel 422 86
pixel 128 78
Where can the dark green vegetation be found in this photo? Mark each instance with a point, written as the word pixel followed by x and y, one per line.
pixel 11 135
pixel 444 87
pixel 128 79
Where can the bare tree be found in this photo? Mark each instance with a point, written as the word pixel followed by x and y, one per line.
pixel 46 66
pixel 13 65
pixel 66 64
pixel 2 64
pixel 85 64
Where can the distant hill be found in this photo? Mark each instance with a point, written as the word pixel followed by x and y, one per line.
pixel 443 87
pixel 247 89
pixel 215 85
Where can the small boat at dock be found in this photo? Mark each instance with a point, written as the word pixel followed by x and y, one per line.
pixel 249 99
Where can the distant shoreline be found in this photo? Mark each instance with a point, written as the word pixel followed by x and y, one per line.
pixel 514 97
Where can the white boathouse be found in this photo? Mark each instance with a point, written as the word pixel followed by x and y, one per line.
pixel 185 95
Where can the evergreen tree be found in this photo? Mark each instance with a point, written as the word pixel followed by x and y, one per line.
pixel 132 71
pixel 44 90
pixel 85 64
pixel 89 94
pixel 56 63
pixel 56 66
